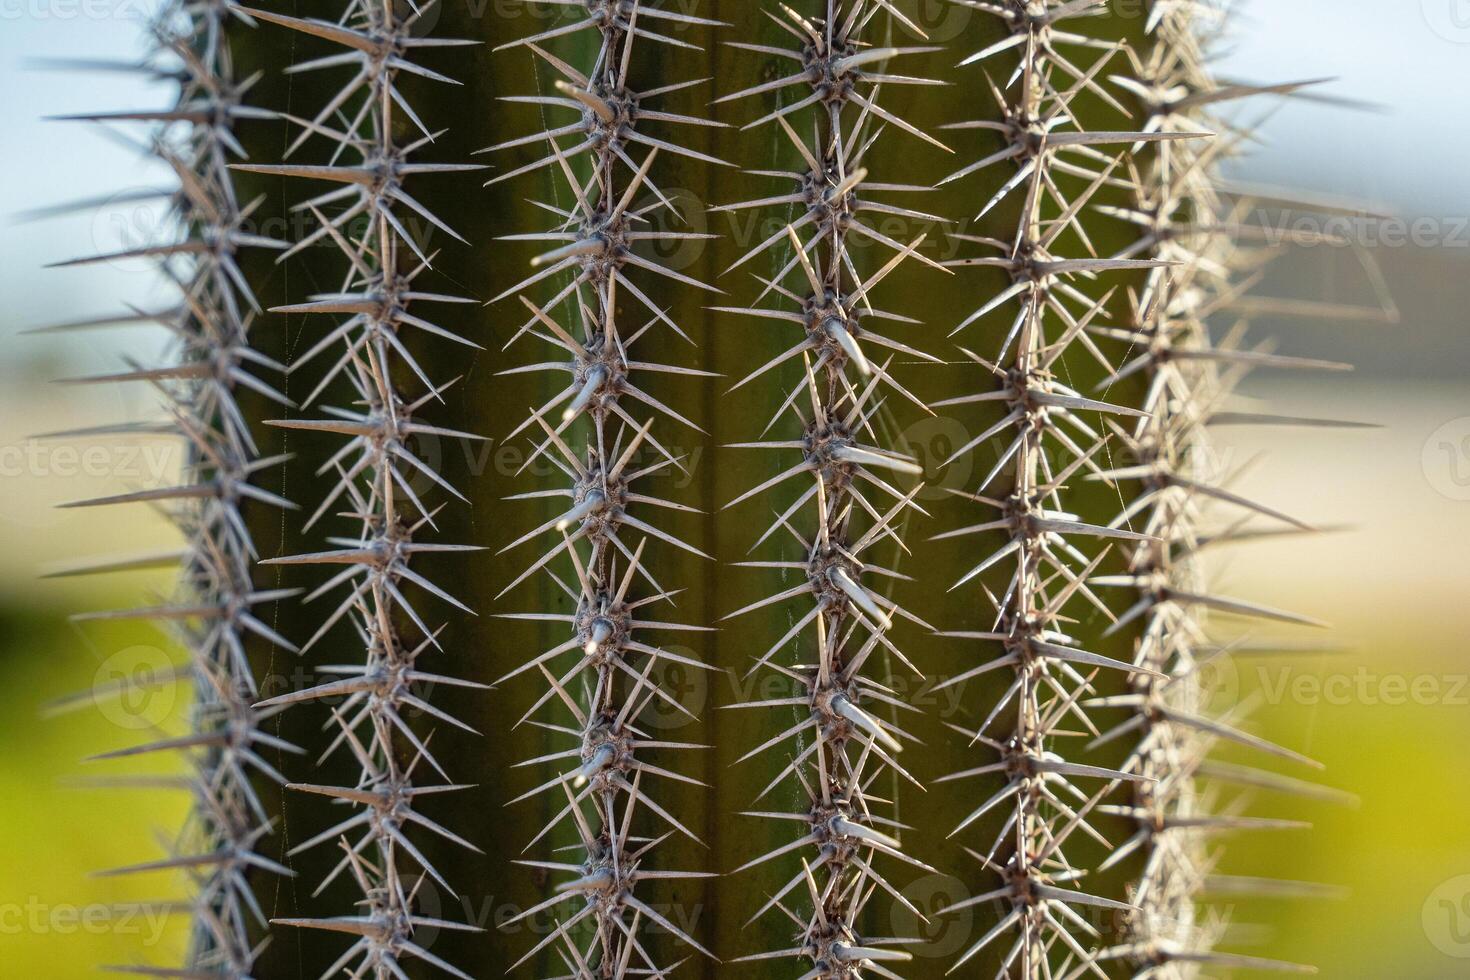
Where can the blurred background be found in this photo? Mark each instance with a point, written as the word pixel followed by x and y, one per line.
pixel 1387 709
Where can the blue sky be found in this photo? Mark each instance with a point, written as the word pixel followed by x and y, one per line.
pixel 1410 56
pixel 1415 156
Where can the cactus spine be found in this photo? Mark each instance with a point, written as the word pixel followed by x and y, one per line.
pixel 1172 443
pixel 375 472
pixel 601 534
pixel 229 817
pixel 840 744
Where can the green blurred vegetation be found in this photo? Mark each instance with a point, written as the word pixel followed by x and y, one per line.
pixel 57 919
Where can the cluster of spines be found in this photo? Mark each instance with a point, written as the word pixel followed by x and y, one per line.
pixel 848 509
pixel 1047 443
pixel 614 665
pixel 366 217
pixel 1174 716
pixel 212 609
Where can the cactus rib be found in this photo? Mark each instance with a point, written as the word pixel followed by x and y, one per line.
pixel 375 472
pixel 1047 443
pixel 601 533
pixel 843 741
pixel 213 610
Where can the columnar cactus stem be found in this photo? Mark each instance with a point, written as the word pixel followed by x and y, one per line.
pixel 614 660
pixel 1119 246
pixel 375 485
pixel 843 745
pixel 212 611
pixel 230 818
pixel 1047 444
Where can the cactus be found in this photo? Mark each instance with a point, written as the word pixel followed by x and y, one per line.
pixel 510 766
pixel 1174 712
pixel 1047 446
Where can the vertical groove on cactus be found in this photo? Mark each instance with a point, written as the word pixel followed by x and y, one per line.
pixel 211 611
pixel 1047 445
pixel 378 479
pixel 601 535
pixel 840 746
